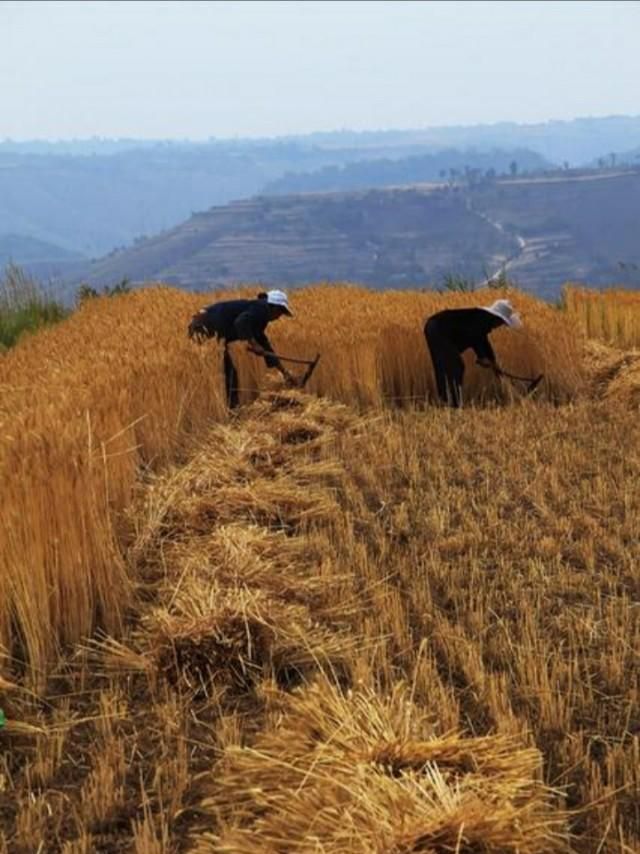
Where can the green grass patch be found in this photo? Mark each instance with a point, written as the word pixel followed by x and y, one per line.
pixel 24 306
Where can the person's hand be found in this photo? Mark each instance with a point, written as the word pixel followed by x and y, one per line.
pixel 257 349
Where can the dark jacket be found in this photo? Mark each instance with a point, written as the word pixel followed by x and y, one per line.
pixel 236 320
pixel 465 328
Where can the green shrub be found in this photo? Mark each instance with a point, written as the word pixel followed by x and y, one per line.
pixel 24 306
pixel 86 292
pixel 454 283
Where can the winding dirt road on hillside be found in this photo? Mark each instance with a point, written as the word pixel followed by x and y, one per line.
pixel 511 259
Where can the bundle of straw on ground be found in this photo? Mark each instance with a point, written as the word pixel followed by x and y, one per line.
pixel 236 527
pixel 624 387
pixel 357 772
pixel 614 374
pixel 240 638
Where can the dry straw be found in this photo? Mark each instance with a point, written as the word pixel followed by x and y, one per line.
pixel 357 772
pixel 485 557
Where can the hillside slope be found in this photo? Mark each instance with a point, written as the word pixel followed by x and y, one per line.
pixel 575 228
pixel 545 231
pixel 395 237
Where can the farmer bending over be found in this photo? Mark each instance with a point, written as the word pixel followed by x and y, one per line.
pixel 449 333
pixel 242 320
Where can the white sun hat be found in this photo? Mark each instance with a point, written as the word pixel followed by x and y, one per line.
pixel 503 309
pixel 281 299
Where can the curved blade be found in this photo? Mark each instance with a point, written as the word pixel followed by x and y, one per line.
pixel 307 374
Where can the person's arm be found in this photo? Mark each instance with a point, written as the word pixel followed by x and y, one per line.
pixel 272 361
pixel 265 345
pixel 249 328
pixel 484 352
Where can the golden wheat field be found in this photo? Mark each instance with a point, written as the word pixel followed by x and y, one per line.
pixel 612 316
pixel 338 620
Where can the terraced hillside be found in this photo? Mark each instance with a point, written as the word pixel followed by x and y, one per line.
pixel 545 231
pixel 385 238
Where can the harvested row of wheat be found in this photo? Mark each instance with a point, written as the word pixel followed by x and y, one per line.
pixel 260 565
pixel 230 539
pixel 236 587
pixel 346 773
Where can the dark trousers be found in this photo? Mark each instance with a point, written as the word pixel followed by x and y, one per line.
pixel 230 380
pixel 447 364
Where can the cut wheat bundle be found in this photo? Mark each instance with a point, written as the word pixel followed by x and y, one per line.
pixel 355 772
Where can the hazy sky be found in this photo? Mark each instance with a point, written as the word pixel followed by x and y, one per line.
pixel 200 69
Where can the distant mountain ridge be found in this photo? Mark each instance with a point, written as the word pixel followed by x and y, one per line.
pixel 31 249
pixel 579 140
pixel 41 259
pixel 450 162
